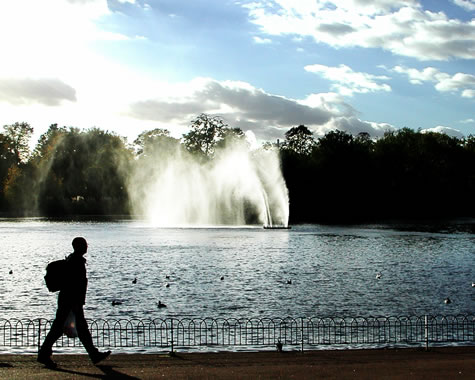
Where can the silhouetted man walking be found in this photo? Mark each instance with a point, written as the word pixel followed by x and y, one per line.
pixel 72 297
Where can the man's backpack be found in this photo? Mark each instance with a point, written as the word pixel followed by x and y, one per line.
pixel 56 273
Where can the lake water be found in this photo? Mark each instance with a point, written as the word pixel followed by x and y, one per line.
pixel 332 269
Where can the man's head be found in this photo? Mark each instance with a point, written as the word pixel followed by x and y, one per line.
pixel 80 245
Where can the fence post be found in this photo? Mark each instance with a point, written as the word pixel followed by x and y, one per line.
pixel 301 331
pixel 172 352
pixel 426 325
pixel 39 334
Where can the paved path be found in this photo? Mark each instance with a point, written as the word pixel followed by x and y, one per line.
pixel 437 363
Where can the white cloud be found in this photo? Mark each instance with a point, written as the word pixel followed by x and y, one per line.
pixel 56 37
pixel 95 91
pixel 259 40
pixel 402 27
pixel 467 121
pixel 375 6
pixel 241 105
pixel 84 2
pixel 347 82
pixel 151 104
pixel 467 4
pixel 50 60
pixel 459 82
pixel 330 101
pixel 468 94
pixel 50 92
pixel 456 82
pixel 446 130
pixel 415 76
pixel 354 126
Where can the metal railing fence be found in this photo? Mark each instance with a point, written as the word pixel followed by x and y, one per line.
pixel 255 333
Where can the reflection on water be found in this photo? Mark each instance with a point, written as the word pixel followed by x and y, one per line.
pixel 332 269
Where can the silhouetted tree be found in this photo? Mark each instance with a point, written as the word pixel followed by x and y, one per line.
pixel 18 136
pixel 422 172
pixel 299 140
pixel 156 140
pixel 155 149
pixel 81 172
pixel 337 178
pixel 205 132
pixel 48 142
pixel 8 159
pixel 231 136
pixel 15 169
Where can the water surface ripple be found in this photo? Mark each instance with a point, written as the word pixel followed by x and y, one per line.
pixel 243 272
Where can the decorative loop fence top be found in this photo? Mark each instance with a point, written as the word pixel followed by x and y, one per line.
pixel 301 333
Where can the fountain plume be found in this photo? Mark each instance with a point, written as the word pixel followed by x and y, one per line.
pixel 236 187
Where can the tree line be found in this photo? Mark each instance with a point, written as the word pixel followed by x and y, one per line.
pixel 404 174
pixel 335 178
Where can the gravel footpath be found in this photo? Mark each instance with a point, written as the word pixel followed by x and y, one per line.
pixel 437 363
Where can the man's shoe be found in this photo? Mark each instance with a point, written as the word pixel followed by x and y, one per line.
pixel 100 356
pixel 46 360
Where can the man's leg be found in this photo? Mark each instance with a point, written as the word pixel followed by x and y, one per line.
pixel 85 336
pixel 83 330
pixel 53 335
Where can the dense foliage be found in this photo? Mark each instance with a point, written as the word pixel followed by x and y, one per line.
pixel 405 174
pixel 336 178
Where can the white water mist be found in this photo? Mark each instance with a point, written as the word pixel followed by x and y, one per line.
pixel 237 187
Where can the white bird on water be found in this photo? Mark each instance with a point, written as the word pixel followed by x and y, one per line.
pixel 447 300
pixel 378 276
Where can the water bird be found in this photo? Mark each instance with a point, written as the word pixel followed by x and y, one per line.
pixel 167 277
pixel 115 303
pixel 473 284
pixel 289 282
pixel 279 346
pixel 378 276
pixel 222 278
pixel 167 285
pixel 134 281
pixel 447 301
pixel 11 272
pixel 161 305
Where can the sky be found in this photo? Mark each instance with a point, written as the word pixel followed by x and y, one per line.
pixel 128 66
